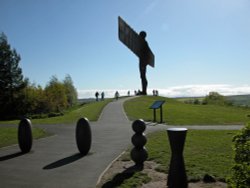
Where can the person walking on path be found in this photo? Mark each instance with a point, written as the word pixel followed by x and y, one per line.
pixel 96 95
pixel 116 95
pixel 102 96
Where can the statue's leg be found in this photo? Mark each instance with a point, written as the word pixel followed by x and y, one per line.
pixel 143 80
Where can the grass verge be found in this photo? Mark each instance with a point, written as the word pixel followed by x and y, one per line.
pixel 206 152
pixel 8 135
pixel 127 180
pixel 178 113
pixel 91 111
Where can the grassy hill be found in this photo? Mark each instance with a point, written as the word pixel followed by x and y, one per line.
pixel 236 100
pixel 90 110
pixel 239 100
pixel 179 113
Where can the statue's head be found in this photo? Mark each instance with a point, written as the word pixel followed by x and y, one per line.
pixel 143 34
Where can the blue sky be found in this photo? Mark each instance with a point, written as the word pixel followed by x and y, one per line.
pixel 199 45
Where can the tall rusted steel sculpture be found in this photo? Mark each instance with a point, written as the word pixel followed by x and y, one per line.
pixel 137 43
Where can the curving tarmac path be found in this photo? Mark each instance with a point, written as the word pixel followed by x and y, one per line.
pixel 55 161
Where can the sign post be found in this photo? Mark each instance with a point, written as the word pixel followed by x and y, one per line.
pixel 157 105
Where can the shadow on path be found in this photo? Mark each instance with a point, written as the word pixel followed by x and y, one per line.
pixel 65 161
pixel 11 156
pixel 121 177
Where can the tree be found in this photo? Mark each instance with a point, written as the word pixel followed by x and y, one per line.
pixel 241 169
pixel 34 99
pixel 70 90
pixel 214 98
pixel 11 79
pixel 56 95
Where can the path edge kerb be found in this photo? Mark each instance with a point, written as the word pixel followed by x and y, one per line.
pixel 108 167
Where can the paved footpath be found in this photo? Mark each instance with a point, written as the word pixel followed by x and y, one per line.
pixel 55 161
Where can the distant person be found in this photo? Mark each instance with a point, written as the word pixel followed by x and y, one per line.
pixel 102 96
pixel 116 95
pixel 156 92
pixel 97 95
pixel 128 93
pixel 138 92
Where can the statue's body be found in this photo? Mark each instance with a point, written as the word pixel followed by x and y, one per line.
pixel 143 59
pixel 137 44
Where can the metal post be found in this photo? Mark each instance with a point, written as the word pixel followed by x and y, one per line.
pixel 161 115
pixel 177 177
pixel 154 115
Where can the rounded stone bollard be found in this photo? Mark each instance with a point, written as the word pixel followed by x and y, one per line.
pixel 83 136
pixel 25 135
pixel 139 153
pixel 139 126
pixel 139 140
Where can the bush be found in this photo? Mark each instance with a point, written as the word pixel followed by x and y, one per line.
pixel 241 168
pixel 214 98
pixel 55 114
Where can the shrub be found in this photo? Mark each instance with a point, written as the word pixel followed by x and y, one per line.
pixel 214 98
pixel 55 114
pixel 241 168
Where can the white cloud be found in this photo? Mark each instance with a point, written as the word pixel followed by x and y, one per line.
pixel 177 91
pixel 202 90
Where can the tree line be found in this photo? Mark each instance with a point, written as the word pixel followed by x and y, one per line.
pixel 19 97
pixel 213 98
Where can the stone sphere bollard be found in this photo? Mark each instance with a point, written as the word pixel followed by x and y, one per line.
pixel 139 140
pixel 83 136
pixel 25 135
pixel 139 153
pixel 139 126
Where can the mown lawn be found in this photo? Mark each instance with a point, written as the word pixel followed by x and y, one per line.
pixel 178 113
pixel 205 152
pixel 8 135
pixel 91 111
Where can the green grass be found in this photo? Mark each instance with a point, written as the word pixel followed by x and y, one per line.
pixel 178 113
pixel 206 152
pixel 136 180
pixel 91 111
pixel 127 179
pixel 8 135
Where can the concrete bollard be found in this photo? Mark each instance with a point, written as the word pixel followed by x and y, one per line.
pixel 83 136
pixel 177 177
pixel 25 135
pixel 139 153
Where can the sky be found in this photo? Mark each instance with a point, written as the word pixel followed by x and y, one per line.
pixel 199 45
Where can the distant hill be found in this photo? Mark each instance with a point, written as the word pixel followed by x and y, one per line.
pixel 81 101
pixel 239 100
pixel 236 100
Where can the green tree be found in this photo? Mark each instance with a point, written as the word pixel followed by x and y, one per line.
pixel 241 169
pixel 214 98
pixel 35 99
pixel 56 95
pixel 11 80
pixel 70 90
